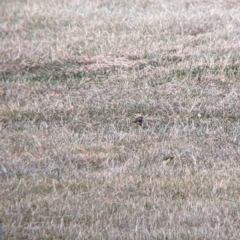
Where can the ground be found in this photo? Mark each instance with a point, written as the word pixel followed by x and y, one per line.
pixel 73 77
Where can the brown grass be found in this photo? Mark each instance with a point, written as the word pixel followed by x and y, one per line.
pixel 73 77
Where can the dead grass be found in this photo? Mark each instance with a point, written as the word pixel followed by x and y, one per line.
pixel 74 75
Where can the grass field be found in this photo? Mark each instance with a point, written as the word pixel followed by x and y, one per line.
pixel 73 77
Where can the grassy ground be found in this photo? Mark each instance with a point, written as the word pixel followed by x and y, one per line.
pixel 73 77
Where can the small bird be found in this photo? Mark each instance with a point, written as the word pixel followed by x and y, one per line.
pixel 138 121
pixel 167 159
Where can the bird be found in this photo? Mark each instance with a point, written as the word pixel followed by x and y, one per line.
pixel 138 121
pixel 167 159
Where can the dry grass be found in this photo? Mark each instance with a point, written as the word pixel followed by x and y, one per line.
pixel 74 75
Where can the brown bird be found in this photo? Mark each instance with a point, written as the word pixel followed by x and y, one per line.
pixel 138 121
pixel 167 159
